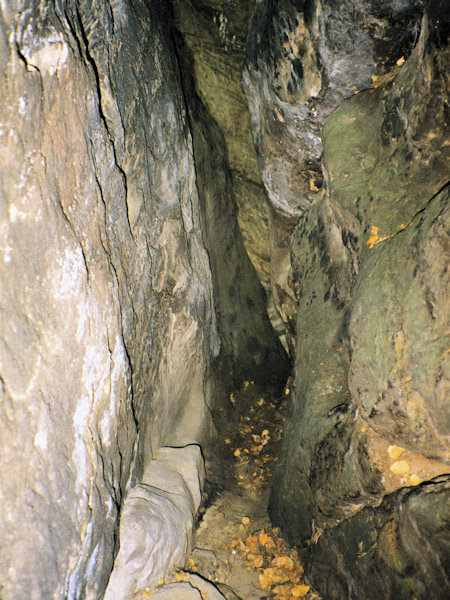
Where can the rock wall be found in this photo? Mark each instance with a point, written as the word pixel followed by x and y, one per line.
pixel 215 34
pixel 109 339
pixel 303 58
pixel 349 112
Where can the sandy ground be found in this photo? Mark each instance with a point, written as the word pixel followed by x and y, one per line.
pixel 235 546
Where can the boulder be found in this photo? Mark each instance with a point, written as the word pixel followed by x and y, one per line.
pixel 157 520
pixel 302 60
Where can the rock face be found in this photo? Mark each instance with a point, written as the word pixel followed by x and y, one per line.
pixel 365 451
pixel 156 521
pixel 110 340
pixel 215 33
pixel 303 59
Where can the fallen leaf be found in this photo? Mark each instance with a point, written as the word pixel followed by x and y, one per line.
pixel 275 575
pixel 300 591
pixel 282 590
pixel 373 237
pixel 252 543
pixel 237 452
pixel 245 521
pixel 146 594
pixel 312 185
pixel 265 581
pixel 400 61
pixel 414 480
pixel 263 537
pixel 258 561
pixel 395 451
pixel 400 467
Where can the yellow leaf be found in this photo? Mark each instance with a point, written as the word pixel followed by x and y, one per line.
pixel 264 581
pixel 227 441
pixel 281 561
pixel 414 480
pixel 237 452
pixel 263 537
pixel 146 594
pixel 300 591
pixel 400 61
pixel 275 575
pixel 232 398
pixel 395 451
pixel 245 521
pixel 312 185
pixel 252 543
pixel 373 237
pixel 282 591
pixel 400 467
pixel 258 561
pixel 265 433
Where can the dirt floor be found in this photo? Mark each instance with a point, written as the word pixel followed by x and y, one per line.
pixel 235 545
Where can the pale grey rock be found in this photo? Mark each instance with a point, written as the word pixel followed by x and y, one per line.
pixel 177 591
pixel 207 589
pixel 108 337
pixel 195 588
pixel 157 521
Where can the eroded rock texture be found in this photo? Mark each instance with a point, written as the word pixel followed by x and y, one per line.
pixel 365 448
pixel 215 34
pixel 303 59
pixel 109 337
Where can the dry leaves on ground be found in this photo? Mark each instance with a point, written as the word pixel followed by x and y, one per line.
pixel 279 568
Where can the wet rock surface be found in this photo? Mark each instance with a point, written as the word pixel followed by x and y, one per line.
pixel 129 305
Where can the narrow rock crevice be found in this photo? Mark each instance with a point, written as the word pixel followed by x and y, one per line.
pixel 151 210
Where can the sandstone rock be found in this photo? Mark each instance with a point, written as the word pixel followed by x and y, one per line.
pixel 157 520
pixel 177 591
pixel 109 337
pixel 193 588
pixel 249 344
pixel 215 33
pixel 303 59
pixel 369 415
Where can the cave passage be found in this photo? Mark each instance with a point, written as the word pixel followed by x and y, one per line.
pixel 224 308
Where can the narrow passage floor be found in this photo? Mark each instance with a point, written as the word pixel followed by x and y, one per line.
pixel 235 546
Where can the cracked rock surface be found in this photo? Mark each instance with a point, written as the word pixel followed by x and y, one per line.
pixel 110 341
